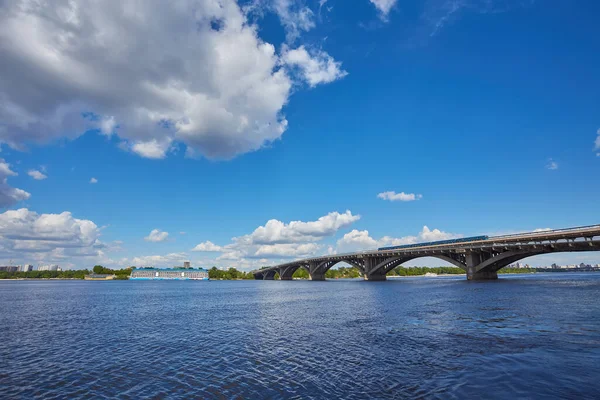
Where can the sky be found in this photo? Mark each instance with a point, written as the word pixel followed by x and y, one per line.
pixel 245 134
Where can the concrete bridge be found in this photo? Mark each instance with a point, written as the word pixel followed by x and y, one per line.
pixel 481 258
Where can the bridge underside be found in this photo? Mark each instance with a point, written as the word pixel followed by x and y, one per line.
pixel 478 264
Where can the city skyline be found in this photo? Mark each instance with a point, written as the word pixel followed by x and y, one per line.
pixel 287 129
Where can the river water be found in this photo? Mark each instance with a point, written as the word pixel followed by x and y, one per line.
pixel 523 336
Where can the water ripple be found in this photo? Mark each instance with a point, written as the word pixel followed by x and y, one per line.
pixel 533 337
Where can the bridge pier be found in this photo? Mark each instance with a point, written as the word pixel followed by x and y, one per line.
pixel 482 275
pixel 317 276
pixel 473 260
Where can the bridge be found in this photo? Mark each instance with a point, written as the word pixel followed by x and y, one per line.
pixel 480 257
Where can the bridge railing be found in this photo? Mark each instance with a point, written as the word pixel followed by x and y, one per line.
pixel 547 231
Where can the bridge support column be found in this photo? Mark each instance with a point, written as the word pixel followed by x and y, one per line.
pixel 482 276
pixel 369 266
pixel 316 276
pixel 473 260
pixel 315 273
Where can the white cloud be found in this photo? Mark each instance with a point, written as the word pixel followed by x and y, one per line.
pixel 154 148
pixel 597 142
pixel 207 246
pixel 275 231
pixel 37 175
pixel 26 235
pixel 393 196
pixel 277 239
pixel 191 72
pixel 287 250
pixel 294 15
pixel 316 68
pixel 158 261
pixel 157 235
pixel 552 165
pixel 108 125
pixel 384 7
pixel 360 240
pixel 8 194
pixel 93 180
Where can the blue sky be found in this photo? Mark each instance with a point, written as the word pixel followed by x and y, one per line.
pixel 204 123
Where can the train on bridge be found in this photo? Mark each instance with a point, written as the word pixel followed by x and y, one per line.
pixel 439 242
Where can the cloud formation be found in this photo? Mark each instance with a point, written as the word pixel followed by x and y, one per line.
pixel 156 235
pixel 384 7
pixel 192 72
pixel 597 142
pixel 30 236
pixel 552 165
pixel 356 240
pixel 207 246
pixel 8 194
pixel 93 180
pixel 314 68
pixel 277 239
pixel 393 196
pixel 37 175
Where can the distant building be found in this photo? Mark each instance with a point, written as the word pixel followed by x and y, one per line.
pixel 26 268
pixel 187 265
pixel 48 268
pixel 9 268
pixel 168 274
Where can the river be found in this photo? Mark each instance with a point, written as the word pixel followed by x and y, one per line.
pixel 523 336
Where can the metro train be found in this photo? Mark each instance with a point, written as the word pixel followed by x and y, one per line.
pixel 440 242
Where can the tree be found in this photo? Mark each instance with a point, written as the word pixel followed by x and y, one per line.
pixel 98 269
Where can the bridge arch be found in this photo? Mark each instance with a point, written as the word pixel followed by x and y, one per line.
pixel 287 273
pixel 325 266
pixel 502 260
pixel 384 267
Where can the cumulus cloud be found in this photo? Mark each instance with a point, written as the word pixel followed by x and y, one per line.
pixel 316 68
pixel 275 231
pixel 277 239
pixel 552 165
pixel 27 235
pixel 8 194
pixel 192 72
pixel 393 196
pixel 157 235
pixel 361 240
pixel 169 260
pixel 207 246
pixel 37 175
pixel 93 180
pixel 384 7
pixel 287 250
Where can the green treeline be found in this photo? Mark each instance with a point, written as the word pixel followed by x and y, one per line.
pixel 352 272
pixel 230 274
pixel 70 274
pixel 119 273
pixel 417 271
pixel 518 271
